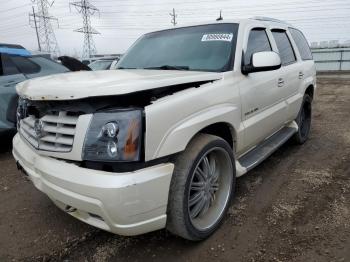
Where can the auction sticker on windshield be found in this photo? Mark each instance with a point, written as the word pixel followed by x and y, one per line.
pixel 217 37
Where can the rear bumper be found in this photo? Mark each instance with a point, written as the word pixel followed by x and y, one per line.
pixel 123 203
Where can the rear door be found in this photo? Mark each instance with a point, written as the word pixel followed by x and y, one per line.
pixel 306 71
pixel 9 77
pixel 291 71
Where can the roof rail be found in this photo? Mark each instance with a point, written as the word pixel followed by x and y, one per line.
pixel 262 18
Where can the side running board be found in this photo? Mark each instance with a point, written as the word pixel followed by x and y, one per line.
pixel 266 148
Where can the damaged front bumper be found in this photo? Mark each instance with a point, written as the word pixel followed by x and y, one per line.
pixel 123 203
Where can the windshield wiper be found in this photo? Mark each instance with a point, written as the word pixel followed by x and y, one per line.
pixel 169 67
pixel 126 67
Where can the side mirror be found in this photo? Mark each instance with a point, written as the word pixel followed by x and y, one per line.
pixel 262 61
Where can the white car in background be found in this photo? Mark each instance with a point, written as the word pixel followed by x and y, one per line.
pixel 106 63
pixel 159 142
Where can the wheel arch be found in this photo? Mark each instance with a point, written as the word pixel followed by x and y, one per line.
pixel 310 91
pixel 223 130
pixel 220 120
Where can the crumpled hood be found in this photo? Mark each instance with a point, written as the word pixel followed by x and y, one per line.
pixel 84 84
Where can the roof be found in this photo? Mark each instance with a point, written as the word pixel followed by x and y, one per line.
pixel 264 20
pixel 269 19
pixel 14 49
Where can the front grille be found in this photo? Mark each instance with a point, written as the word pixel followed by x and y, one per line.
pixel 53 132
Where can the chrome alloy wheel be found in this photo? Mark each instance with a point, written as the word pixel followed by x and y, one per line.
pixel 210 188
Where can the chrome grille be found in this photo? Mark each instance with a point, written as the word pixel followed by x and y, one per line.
pixel 52 132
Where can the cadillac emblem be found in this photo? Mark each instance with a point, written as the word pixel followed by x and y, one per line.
pixel 39 128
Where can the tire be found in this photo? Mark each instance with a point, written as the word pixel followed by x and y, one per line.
pixel 188 185
pixel 304 121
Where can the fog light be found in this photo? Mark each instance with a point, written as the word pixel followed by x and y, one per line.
pixel 110 129
pixel 112 149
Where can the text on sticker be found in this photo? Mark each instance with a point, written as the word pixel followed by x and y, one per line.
pixel 217 37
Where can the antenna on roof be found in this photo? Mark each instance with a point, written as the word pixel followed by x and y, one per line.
pixel 220 17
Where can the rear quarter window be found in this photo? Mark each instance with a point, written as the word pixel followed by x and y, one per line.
pixel 48 65
pixel 25 65
pixel 301 43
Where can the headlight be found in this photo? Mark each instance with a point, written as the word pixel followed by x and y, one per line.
pixel 114 136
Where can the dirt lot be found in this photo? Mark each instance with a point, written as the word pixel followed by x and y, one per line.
pixel 293 207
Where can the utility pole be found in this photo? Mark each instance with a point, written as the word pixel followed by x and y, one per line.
pixel 42 22
pixel 87 10
pixel 36 28
pixel 174 16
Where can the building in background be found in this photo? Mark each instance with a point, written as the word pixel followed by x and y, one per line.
pixel 332 55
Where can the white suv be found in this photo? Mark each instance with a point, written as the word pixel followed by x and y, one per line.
pixel 159 142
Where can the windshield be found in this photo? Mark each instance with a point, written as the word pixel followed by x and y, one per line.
pixel 100 65
pixel 198 48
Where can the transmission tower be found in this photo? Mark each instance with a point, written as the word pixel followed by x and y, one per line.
pixel 87 10
pixel 173 17
pixel 42 20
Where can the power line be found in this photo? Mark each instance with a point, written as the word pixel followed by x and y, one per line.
pixel 144 17
pixel 147 4
pixel 310 3
pixel 87 10
pixel 10 9
pixel 13 27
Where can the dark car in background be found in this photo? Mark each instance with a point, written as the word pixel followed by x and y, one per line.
pixel 16 65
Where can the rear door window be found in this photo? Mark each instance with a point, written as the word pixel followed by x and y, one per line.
pixel 258 41
pixel 284 46
pixel 301 43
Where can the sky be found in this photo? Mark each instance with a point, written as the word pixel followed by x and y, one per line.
pixel 121 22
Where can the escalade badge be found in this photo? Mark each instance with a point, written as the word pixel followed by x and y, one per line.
pixel 38 128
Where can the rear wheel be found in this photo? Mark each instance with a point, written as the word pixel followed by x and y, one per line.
pixel 201 188
pixel 304 120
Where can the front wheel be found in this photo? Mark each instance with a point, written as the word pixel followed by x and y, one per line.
pixel 201 188
pixel 304 120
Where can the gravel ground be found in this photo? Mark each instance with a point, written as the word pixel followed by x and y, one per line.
pixel 293 207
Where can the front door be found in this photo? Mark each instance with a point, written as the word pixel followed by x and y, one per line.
pixel 263 104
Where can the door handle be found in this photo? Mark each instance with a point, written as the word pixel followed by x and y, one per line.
pixel 301 75
pixel 280 82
